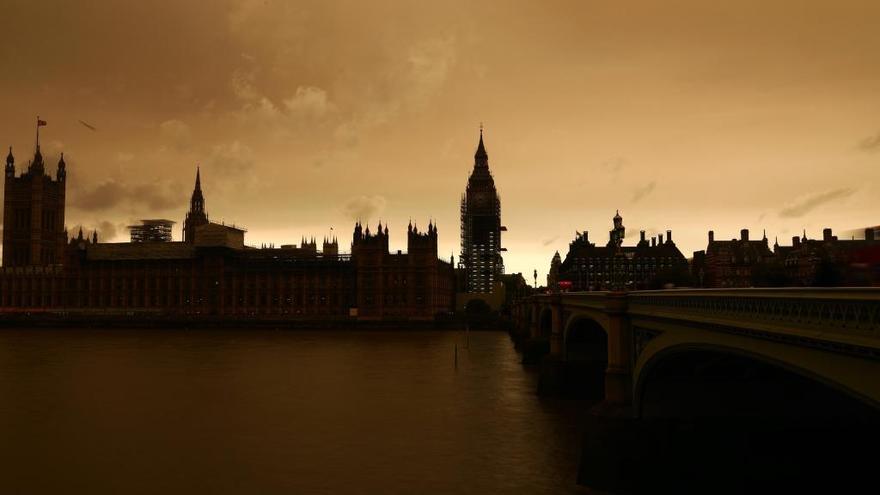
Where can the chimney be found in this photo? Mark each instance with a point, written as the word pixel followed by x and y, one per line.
pixel 826 234
pixel 744 234
pixel 653 241
pixel 796 241
pixel 711 236
pixel 659 238
pixel 869 234
pixel 641 236
pixel 668 236
pixel 586 236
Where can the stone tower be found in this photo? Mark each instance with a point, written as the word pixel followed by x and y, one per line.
pixel 481 228
pixel 33 212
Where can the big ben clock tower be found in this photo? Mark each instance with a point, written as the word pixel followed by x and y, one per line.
pixel 481 227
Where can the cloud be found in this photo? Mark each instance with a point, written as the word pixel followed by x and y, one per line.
pixel 105 195
pixel 123 156
pixel 176 132
pixel 551 240
pixel 226 159
pixel 309 102
pixel 306 105
pixel 642 192
pixel 111 194
pixel 407 86
pixel 106 231
pixel 614 165
pixel 428 67
pixel 806 204
pixel 870 144
pixel 364 208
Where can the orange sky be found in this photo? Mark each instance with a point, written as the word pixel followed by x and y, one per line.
pixel 305 115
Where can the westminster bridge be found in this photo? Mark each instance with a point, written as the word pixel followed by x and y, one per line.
pixel 710 351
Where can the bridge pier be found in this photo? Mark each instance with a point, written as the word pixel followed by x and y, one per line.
pixel 618 374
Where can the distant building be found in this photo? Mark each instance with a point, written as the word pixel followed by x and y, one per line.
pixel 828 261
pixel 415 284
pixel 646 265
pixel 731 263
pixel 157 230
pixel 481 228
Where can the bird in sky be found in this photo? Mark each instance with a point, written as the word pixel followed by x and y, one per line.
pixel 87 125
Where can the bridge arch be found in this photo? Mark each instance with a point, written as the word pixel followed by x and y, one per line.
pixel 545 322
pixel 705 379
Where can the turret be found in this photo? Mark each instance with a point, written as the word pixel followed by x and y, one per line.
pixel 10 164
pixel 62 169
pixel 36 167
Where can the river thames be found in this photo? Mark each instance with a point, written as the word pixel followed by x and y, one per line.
pixel 262 411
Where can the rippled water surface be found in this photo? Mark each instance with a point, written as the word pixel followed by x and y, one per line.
pixel 219 411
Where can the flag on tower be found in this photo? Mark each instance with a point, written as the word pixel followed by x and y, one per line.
pixel 40 123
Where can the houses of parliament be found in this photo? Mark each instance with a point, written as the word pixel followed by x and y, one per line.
pixel 210 273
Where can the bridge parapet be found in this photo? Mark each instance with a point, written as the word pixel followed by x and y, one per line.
pixel 850 317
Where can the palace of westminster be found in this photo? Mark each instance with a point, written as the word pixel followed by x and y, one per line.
pixel 211 273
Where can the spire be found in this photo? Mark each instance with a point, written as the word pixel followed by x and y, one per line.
pixel 80 236
pixel 197 202
pixel 481 157
pixel 95 237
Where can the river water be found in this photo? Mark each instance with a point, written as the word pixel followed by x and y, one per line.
pixel 262 411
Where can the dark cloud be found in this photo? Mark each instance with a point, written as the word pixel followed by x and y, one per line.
pixel 232 158
pixel 105 195
pixel 111 194
pixel 644 191
pixel 364 208
pixel 807 204
pixel 870 144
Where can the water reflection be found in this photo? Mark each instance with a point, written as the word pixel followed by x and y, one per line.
pixel 146 411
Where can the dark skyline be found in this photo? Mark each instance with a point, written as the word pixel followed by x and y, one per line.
pixel 589 107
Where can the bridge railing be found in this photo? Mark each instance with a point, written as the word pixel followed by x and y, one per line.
pixel 831 309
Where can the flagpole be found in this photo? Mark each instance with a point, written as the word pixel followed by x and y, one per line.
pixel 38 132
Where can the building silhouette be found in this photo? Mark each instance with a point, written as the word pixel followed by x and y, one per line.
pixel 481 228
pixel 731 263
pixel 211 274
pixel 586 266
pixel 826 261
pixel 33 213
